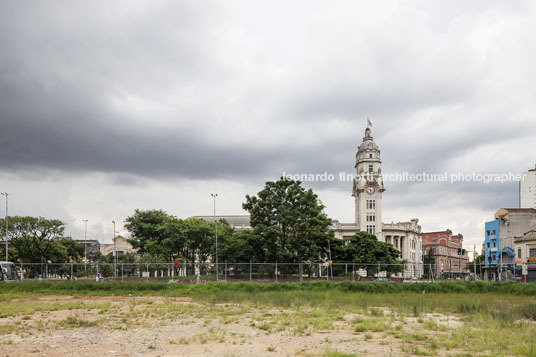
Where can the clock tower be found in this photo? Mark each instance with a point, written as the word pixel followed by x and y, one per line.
pixel 368 187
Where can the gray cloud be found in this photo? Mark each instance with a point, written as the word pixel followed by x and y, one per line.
pixel 217 91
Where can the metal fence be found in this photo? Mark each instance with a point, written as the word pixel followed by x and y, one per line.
pixel 261 272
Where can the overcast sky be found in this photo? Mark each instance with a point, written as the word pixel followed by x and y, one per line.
pixel 110 106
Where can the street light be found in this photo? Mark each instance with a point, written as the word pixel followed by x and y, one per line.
pixel 6 194
pixel 115 251
pixel 85 243
pixel 214 195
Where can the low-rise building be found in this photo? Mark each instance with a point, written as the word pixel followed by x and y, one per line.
pixel 120 246
pixel 91 245
pixel 508 224
pixel 238 222
pixel 446 251
pixel 525 248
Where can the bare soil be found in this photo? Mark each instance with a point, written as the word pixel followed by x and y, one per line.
pixel 160 326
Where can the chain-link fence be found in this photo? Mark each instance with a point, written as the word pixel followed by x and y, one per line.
pixel 263 272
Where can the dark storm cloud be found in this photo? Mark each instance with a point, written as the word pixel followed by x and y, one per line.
pixel 179 90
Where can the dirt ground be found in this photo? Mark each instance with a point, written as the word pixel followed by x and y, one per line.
pixel 157 326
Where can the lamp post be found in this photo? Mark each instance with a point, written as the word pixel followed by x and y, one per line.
pixel 214 195
pixel 6 194
pixel 85 243
pixel 115 251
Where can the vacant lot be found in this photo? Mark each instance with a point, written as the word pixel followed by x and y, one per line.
pixel 248 319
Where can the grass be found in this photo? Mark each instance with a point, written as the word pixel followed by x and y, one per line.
pixel 459 318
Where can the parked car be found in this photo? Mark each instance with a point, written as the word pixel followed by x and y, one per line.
pixel 381 280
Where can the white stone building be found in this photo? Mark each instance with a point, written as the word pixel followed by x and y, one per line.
pixel 368 191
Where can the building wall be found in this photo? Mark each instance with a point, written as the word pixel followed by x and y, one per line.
pixel 444 248
pixel 407 238
pixel 525 249
pixel 527 190
pixel 492 236
pixel 120 244
pixel 513 222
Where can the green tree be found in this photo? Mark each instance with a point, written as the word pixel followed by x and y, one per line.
pixel 148 230
pixel 161 237
pixel 367 252
pixel 241 247
pixel 289 222
pixel 36 239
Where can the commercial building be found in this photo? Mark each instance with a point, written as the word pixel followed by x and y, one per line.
pixel 525 248
pixel 509 223
pixel 527 190
pixel 446 252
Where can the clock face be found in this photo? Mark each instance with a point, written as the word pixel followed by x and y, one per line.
pixel 370 190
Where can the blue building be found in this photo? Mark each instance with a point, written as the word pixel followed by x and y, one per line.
pixel 492 243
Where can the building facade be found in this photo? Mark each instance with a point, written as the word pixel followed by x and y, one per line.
pixel 509 223
pixel 527 190
pixel 525 248
pixel 368 191
pixel 119 246
pixel 444 249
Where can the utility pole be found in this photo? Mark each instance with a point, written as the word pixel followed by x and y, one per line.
pixel 115 252
pixel 85 243
pixel 474 259
pixel 6 194
pixel 214 195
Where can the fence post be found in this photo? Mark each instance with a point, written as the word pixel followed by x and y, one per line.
pixel 353 271
pixel 345 270
pixel 276 271
pixel 172 271
pixel 250 271
pixel 122 272
pixel 147 272
pixel 71 271
pixel 301 272
pixel 225 271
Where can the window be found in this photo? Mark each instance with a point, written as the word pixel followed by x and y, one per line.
pixel 494 245
pixel 487 244
pixel 370 168
pixel 532 252
pixel 487 232
pixel 519 253
pixel 370 156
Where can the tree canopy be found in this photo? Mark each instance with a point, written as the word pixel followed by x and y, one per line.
pixel 289 223
pixel 367 251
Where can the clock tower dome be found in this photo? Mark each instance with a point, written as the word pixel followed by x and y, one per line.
pixel 368 187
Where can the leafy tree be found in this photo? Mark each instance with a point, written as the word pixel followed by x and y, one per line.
pixel 367 252
pixel 36 239
pixel 148 230
pixel 289 222
pixel 161 237
pixel 241 247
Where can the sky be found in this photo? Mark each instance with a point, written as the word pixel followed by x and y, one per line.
pixel 111 106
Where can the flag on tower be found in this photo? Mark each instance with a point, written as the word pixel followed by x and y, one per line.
pixel 369 122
